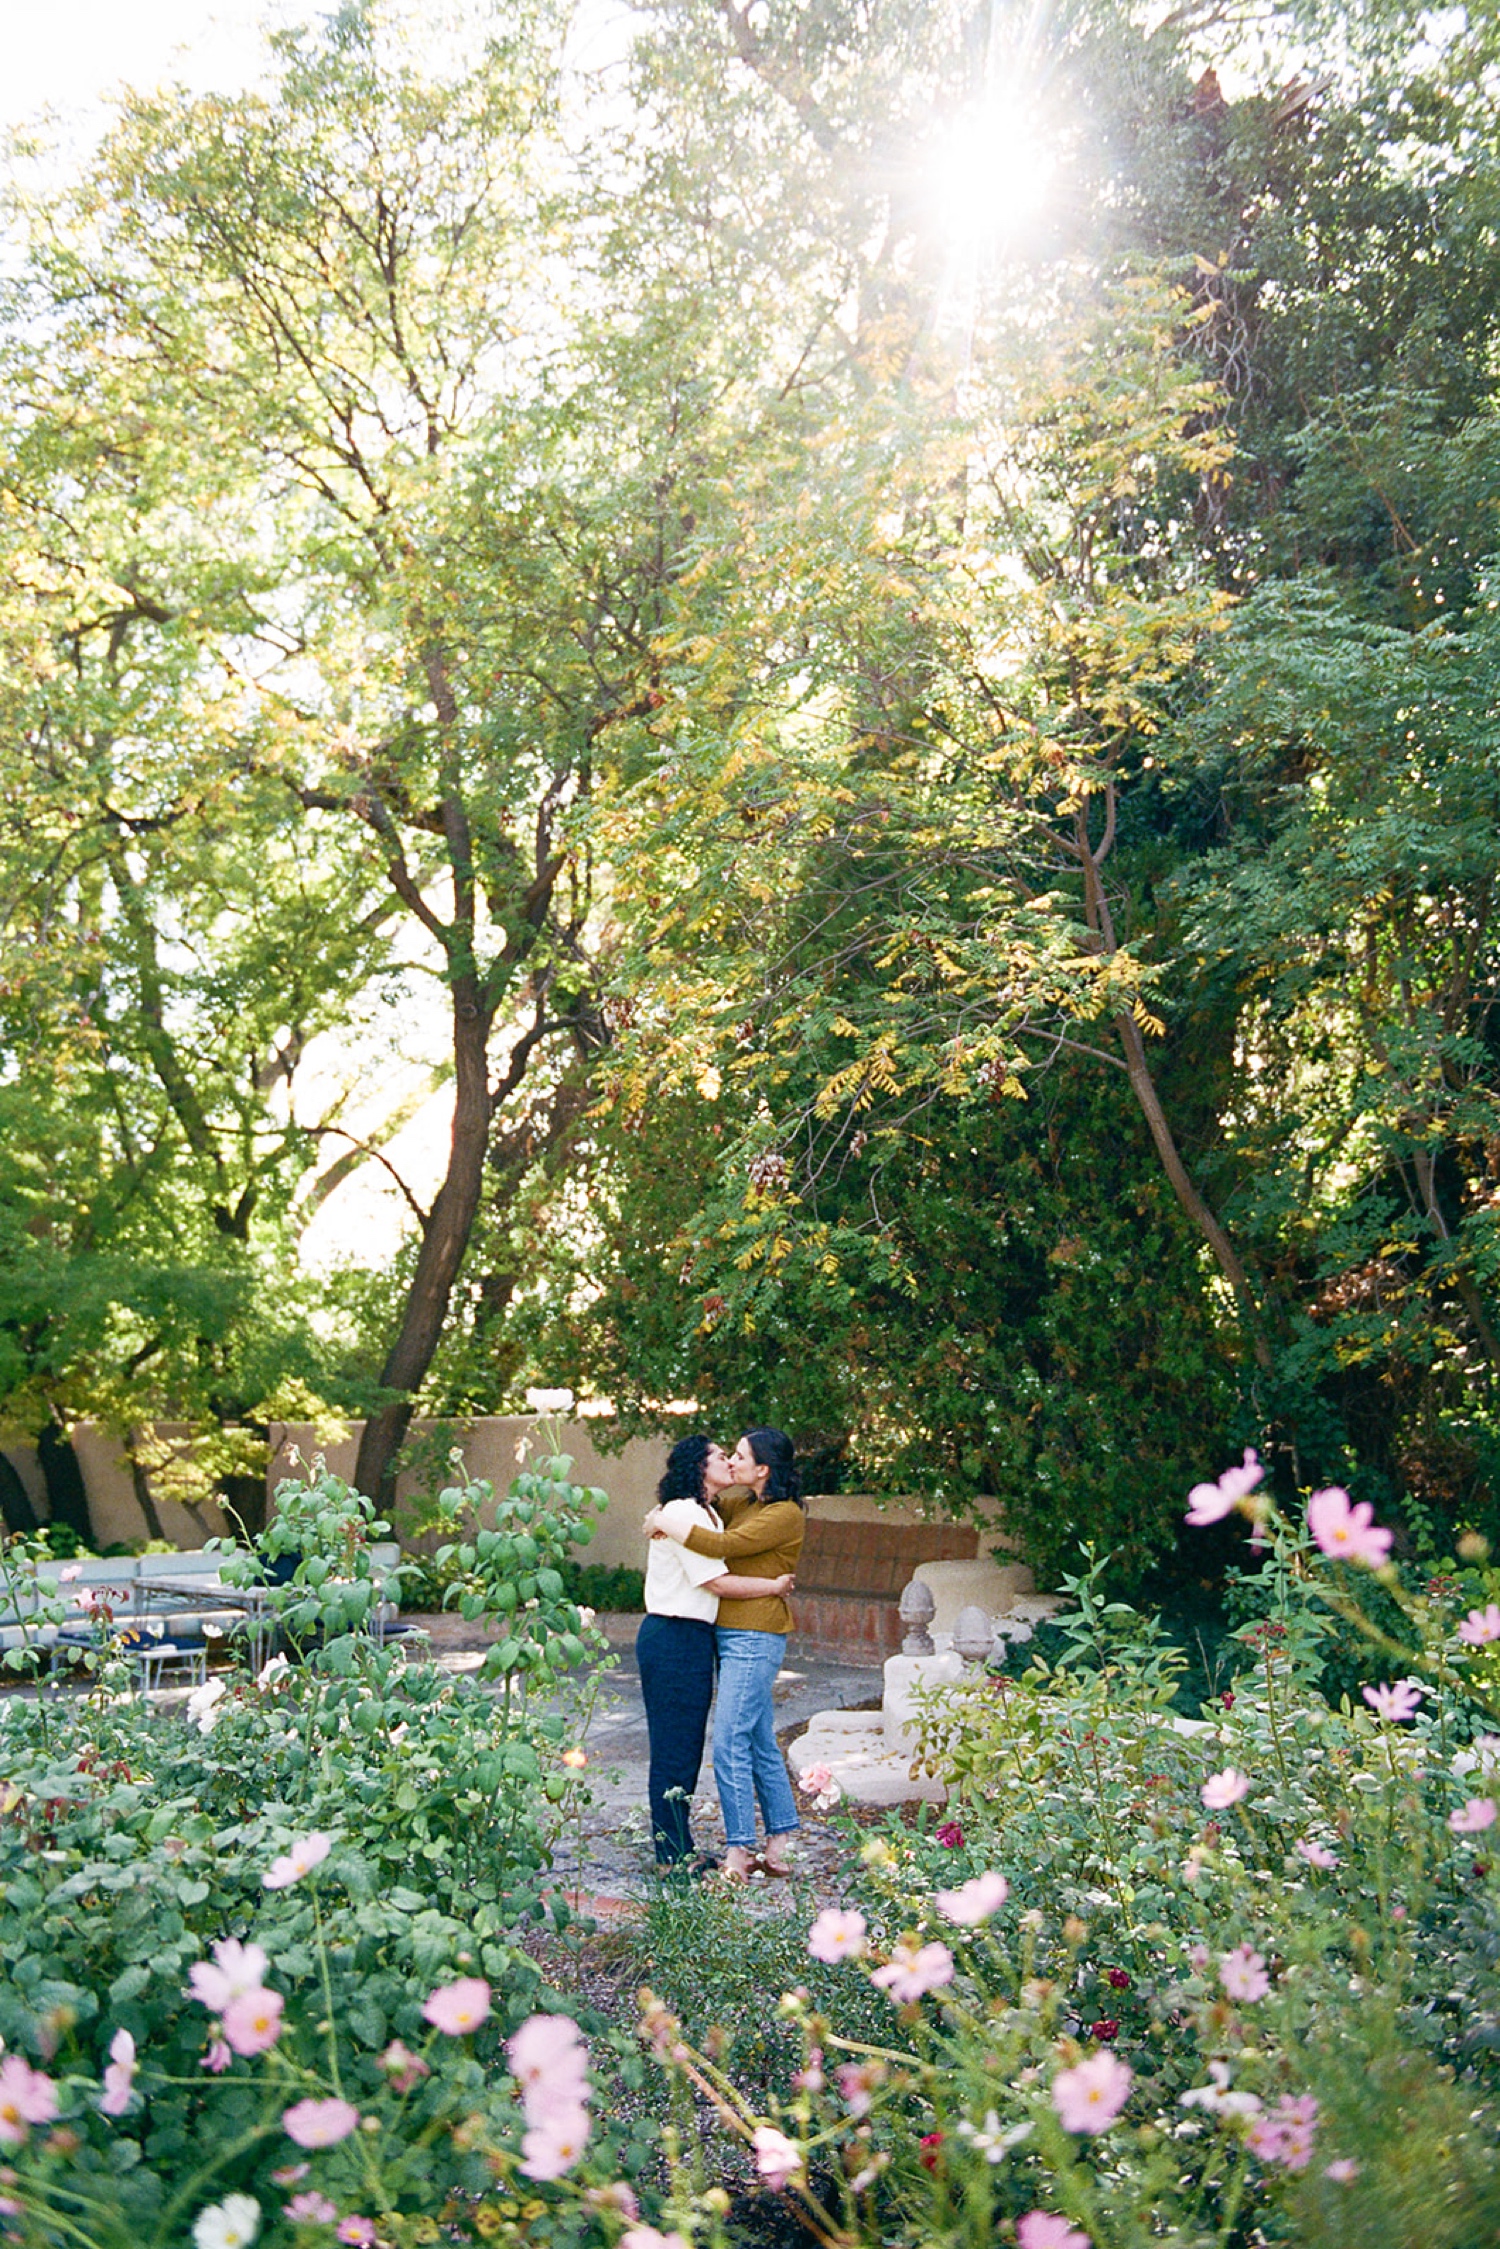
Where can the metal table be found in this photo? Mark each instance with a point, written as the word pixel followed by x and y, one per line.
pixel 169 1596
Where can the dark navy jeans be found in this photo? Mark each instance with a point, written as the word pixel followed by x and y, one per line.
pixel 676 1659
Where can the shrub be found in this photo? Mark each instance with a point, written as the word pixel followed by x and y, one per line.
pixel 1225 1980
pixel 374 1828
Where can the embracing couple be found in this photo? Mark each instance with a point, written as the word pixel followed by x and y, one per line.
pixel 726 1532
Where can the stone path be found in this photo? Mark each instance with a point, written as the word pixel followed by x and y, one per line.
pixel 607 1861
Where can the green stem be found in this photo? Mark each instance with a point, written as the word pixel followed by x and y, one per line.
pixel 193 2191
pixel 1271 1716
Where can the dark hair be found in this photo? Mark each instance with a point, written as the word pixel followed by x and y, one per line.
pixel 683 1478
pixel 775 1450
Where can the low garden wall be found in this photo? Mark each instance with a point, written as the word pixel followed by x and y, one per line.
pixel 860 1552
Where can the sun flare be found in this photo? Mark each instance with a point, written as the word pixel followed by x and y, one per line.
pixel 993 174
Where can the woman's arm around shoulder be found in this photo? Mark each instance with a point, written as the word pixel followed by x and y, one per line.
pixel 776 1525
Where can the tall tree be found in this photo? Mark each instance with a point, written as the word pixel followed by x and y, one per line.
pixel 962 633
pixel 341 313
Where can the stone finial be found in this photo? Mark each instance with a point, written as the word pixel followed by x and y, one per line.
pixel 918 1608
pixel 973 1633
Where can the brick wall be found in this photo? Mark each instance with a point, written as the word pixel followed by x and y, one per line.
pixel 851 1578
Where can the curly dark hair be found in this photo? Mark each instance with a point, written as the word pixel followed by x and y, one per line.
pixel 683 1475
pixel 775 1450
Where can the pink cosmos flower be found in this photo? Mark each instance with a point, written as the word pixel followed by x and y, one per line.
pixel 1221 1790
pixel 236 1968
pixel 1347 1533
pixel 973 1901
pixel 1316 1854
pixel 1285 2135
pixel 404 2068
pixel 647 2237
pixel 777 2158
pixel 1474 1817
pixel 618 2197
pixel 1042 2229
pixel 1481 1626
pixel 837 1936
pixel 858 2082
pixel 290 2174
pixel 219 2056
pixel 1342 2171
pixel 119 2076
pixel 912 1971
pixel 71 1574
pixel 311 2209
pixel 359 2232
pixel 550 2062
pixel 1089 2097
pixel 1243 1974
pixel 306 1853
pixel 27 2096
pixel 1396 1702
pixel 1210 1503
pixel 554 2143
pixel 457 2008
pixel 319 2123
pixel 252 2021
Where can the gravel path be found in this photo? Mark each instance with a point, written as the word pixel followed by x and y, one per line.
pixel 606 1863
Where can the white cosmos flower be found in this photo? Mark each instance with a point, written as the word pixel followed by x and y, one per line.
pixel 988 2140
pixel 229 2224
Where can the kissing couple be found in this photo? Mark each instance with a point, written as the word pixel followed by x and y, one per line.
pixel 726 1532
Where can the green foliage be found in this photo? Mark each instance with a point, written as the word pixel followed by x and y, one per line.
pixel 599 1585
pixel 509 1569
pixel 136 1842
pixel 958 782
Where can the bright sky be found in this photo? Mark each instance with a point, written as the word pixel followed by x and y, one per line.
pixel 70 54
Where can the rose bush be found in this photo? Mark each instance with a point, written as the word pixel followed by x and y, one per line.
pixel 288 1919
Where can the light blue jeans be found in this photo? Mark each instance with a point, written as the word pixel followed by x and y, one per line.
pixel 748 1766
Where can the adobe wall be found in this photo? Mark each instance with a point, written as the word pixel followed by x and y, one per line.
pixel 491 1448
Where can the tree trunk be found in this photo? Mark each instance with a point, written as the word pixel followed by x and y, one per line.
pixel 445 1237
pixel 1230 1263
pixel 67 1500
pixel 15 1501
pixel 140 1484
pixel 1143 1086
